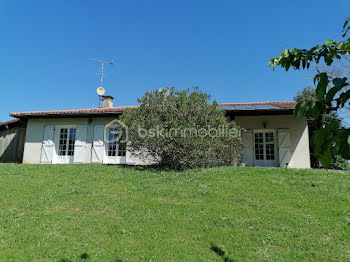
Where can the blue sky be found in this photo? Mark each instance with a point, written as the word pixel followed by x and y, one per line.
pixel 222 46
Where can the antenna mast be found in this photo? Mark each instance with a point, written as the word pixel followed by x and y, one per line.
pixel 111 62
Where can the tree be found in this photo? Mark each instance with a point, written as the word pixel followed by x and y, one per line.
pixel 309 94
pixel 338 69
pixel 333 94
pixel 180 129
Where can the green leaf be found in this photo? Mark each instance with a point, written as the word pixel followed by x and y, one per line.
pixel 319 140
pixel 345 30
pixel 315 112
pixel 343 143
pixel 343 98
pixel 299 110
pixel 322 85
pixel 339 83
pixel 323 140
pixel 316 78
pixel 307 107
pixel 329 42
pixel 333 125
pixel 326 157
pixel 346 22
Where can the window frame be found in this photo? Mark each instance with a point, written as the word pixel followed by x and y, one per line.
pixel 69 147
pixel 267 156
pixel 115 149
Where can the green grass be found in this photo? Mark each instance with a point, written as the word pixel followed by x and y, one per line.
pixel 109 213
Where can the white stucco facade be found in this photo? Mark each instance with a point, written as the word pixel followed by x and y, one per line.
pixel 295 155
pixel 33 148
pixel 299 153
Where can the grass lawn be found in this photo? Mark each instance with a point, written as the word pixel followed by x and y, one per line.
pixel 110 213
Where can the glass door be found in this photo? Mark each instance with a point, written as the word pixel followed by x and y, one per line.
pixel 115 151
pixel 65 146
pixel 265 148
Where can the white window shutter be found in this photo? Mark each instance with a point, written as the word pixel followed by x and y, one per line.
pixel 97 144
pixel 284 147
pixel 80 142
pixel 248 152
pixel 48 145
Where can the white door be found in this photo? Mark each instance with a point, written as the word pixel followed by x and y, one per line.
pixel 284 147
pixel 97 150
pixel 80 142
pixel 65 143
pixel 265 148
pixel 115 153
pixel 48 145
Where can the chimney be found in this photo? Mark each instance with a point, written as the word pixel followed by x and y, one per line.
pixel 107 101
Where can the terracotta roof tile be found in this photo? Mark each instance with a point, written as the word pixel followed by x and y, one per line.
pixel 73 112
pixel 9 122
pixel 280 104
pixel 111 110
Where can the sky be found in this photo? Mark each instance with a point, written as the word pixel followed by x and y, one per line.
pixel 221 46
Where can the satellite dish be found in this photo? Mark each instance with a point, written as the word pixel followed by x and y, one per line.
pixel 100 91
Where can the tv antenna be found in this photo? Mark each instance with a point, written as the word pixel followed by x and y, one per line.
pixel 100 90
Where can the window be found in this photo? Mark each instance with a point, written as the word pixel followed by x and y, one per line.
pixel 259 146
pixel 112 143
pixel 67 141
pixel 270 146
pixel 63 142
pixel 115 148
pixel 264 143
pixel 71 141
pixel 122 149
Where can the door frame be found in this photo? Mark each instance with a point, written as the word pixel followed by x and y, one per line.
pixel 56 158
pixel 111 159
pixel 276 160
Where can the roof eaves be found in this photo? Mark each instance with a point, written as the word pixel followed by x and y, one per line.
pixel 8 123
pixel 75 112
pixel 281 106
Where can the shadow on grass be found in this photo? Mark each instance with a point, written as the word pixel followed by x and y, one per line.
pixel 85 256
pixel 159 168
pixel 220 253
pixel 151 168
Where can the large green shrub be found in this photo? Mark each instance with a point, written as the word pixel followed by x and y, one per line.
pixel 181 129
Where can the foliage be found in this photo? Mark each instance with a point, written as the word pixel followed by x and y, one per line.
pixel 338 69
pixel 309 94
pixel 339 163
pixel 332 94
pixel 57 212
pixel 169 126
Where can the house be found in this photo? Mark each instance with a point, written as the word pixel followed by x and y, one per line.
pixel 273 136
pixel 12 136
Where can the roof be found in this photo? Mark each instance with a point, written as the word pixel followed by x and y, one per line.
pixel 9 123
pixel 74 112
pixel 240 107
pixel 259 105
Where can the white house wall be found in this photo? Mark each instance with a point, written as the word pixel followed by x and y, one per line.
pixel 299 158
pixel 300 155
pixel 35 134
